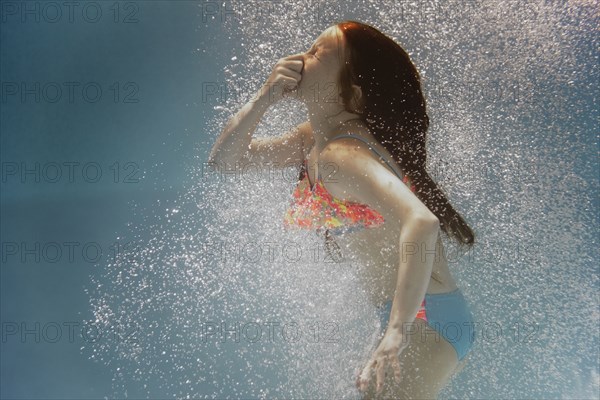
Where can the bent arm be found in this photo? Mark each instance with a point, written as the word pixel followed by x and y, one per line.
pixel 234 141
pixel 418 238
pixel 361 178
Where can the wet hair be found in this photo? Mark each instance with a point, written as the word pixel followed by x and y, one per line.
pixel 393 107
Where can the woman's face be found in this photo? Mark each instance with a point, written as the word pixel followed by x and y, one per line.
pixel 322 64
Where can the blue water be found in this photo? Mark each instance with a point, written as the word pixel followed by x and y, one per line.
pixel 513 96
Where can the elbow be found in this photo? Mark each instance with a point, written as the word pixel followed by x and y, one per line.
pixel 216 157
pixel 425 223
pixel 213 155
pixel 227 158
pixel 211 159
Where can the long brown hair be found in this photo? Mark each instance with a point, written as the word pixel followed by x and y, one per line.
pixel 393 108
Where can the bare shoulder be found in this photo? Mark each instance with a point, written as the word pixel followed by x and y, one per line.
pixel 352 173
pixel 343 161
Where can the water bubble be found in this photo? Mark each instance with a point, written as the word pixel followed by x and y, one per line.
pixel 510 95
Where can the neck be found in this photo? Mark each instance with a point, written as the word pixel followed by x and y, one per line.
pixel 326 123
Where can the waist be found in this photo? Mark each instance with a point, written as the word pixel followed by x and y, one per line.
pixel 431 298
pixel 442 296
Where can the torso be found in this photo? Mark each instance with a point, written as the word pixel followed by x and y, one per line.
pixel 377 249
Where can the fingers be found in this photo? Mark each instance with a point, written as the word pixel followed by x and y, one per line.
pixel 359 384
pixel 293 66
pixel 294 62
pixel 287 84
pixel 365 376
pixel 378 365
pixel 380 376
pixel 287 75
pixel 289 88
pixel 291 74
pixel 397 372
pixel 363 379
pixel 297 56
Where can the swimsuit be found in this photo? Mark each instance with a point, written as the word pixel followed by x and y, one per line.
pixel 313 207
pixel 448 314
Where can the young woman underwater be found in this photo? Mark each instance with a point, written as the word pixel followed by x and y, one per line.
pixel 372 128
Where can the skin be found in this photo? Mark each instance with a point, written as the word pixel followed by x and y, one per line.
pixel 402 366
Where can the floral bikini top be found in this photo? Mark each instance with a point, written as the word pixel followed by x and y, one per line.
pixel 315 208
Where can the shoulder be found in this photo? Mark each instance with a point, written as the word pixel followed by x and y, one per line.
pixel 353 173
pixel 349 163
pixel 349 154
pixel 358 157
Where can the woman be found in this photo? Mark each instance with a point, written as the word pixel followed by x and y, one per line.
pixel 366 131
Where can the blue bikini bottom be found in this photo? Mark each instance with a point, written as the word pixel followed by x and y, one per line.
pixel 448 314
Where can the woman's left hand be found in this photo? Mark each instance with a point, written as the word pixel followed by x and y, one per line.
pixel 387 353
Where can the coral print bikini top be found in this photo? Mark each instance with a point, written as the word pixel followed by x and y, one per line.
pixel 312 206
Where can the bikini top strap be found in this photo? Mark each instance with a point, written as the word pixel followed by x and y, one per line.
pixel 372 148
pixel 304 172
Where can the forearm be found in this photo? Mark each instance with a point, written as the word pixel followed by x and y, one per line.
pixel 418 240
pixel 234 140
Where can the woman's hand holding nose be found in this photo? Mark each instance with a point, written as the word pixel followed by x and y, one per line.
pixel 284 78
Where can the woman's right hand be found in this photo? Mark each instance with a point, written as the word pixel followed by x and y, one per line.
pixel 284 78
